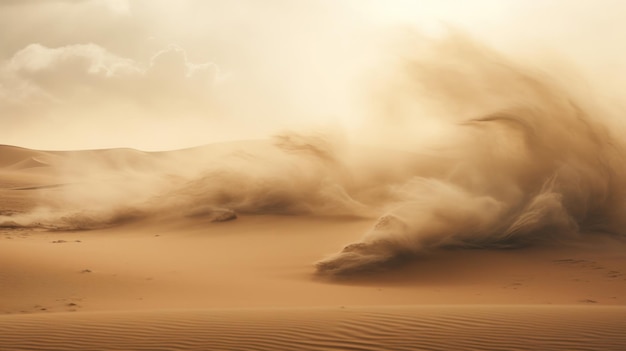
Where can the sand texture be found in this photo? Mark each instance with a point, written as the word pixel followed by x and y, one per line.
pixel 354 328
pixel 504 233
pixel 212 279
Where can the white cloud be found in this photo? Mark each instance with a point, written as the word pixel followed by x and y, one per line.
pixel 86 87
pixel 15 91
pixel 89 57
pixel 172 65
pixel 62 69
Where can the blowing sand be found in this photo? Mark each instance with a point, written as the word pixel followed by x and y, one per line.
pixel 171 281
pixel 507 232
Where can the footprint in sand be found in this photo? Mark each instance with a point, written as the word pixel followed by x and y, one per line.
pixel 70 304
pixel 40 308
pixel 614 274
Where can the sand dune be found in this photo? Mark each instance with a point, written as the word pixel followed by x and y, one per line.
pixel 507 236
pixel 180 281
pixel 266 261
pixel 540 162
pixel 17 157
pixel 343 328
pixel 156 271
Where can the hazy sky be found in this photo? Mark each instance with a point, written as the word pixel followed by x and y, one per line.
pixel 162 74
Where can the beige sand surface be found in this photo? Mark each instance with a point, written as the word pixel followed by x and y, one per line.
pixel 183 283
pixel 433 327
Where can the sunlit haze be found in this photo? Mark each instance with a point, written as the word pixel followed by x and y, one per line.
pixel 159 75
pixel 281 175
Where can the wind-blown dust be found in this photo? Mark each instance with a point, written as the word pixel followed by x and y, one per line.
pixel 535 161
pixel 521 157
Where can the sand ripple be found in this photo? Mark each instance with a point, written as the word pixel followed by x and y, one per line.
pixel 349 328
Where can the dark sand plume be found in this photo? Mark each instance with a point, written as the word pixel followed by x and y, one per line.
pixel 532 161
pixel 523 158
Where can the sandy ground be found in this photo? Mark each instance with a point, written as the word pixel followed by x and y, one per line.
pixel 187 283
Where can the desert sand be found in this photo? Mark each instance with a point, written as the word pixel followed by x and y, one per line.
pixel 166 281
pixel 312 175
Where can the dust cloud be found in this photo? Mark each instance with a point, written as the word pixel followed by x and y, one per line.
pixel 525 157
pixel 461 146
